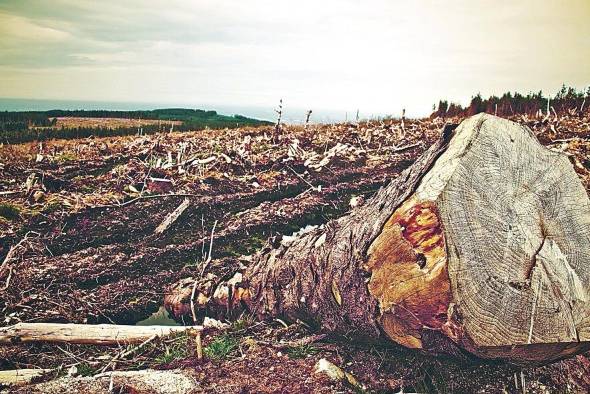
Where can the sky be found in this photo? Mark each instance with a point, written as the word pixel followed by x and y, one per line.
pixel 376 56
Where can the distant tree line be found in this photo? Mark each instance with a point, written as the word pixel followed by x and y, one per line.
pixel 15 121
pixel 567 101
pixel 24 126
pixel 162 114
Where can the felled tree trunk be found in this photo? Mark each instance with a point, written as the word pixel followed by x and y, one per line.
pixel 483 244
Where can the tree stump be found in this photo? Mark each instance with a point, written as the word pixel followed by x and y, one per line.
pixel 483 245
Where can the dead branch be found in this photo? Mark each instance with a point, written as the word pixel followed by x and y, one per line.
pixel 127 352
pixel 7 263
pixel 203 268
pixel 307 118
pixel 133 200
pixel 172 217
pixel 98 334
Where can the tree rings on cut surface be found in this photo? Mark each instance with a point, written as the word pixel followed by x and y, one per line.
pixel 492 249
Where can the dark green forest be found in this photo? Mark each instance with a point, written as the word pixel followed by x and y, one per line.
pixel 24 126
pixel 567 101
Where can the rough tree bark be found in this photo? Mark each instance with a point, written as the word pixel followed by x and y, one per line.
pixel 482 245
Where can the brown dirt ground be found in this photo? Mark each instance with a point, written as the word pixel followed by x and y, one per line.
pixel 83 214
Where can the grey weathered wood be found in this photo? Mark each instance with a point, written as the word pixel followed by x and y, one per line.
pixel 517 227
pixel 172 217
pixel 19 377
pixel 97 334
pixel 144 381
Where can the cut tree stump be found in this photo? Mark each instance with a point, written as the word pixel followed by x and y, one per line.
pixel 97 334
pixel 482 245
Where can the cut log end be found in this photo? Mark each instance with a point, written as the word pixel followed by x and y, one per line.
pixel 492 249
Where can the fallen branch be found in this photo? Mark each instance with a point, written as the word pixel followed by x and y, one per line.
pixel 206 262
pixel 122 204
pixel 126 353
pixel 394 149
pixel 172 217
pixel 7 263
pixel 297 343
pixel 568 140
pixel 302 178
pixel 99 334
pixel 204 266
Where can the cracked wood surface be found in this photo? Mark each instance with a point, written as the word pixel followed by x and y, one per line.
pixel 517 222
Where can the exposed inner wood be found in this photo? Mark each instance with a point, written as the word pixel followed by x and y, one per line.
pixel 409 275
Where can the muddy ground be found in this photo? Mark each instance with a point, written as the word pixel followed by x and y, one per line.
pixel 78 244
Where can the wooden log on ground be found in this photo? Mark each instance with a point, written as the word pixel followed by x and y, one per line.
pixel 98 334
pixel 482 245
pixel 19 377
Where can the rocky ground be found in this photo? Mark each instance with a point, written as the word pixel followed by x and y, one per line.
pixel 78 243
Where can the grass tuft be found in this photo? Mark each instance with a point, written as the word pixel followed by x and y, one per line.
pixel 65 157
pixel 242 324
pixel 302 351
pixel 178 350
pixel 85 369
pixel 221 347
pixel 9 211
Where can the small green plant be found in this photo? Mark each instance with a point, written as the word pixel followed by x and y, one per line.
pixel 241 324
pixel 175 351
pixel 85 369
pixel 221 347
pixel 301 351
pixel 65 157
pixel 9 211
pixel 52 207
pixel 245 247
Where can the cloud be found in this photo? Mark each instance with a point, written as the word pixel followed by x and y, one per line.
pixel 341 54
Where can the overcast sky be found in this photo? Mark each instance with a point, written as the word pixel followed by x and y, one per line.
pixel 377 55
